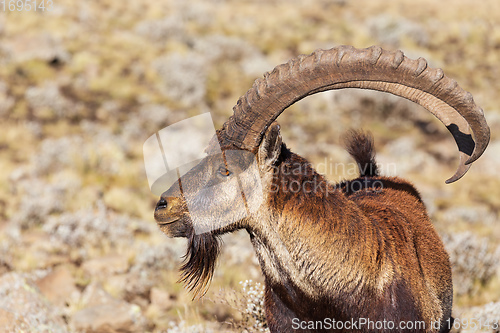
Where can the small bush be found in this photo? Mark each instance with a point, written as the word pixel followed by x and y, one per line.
pixel 48 102
pixel 162 30
pixel 490 313
pixel 249 302
pixel 392 30
pixel 149 263
pixel 474 261
pixel 91 229
pixel 39 200
pixel 101 152
pixel 183 76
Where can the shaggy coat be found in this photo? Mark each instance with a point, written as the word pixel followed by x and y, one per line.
pixel 369 257
pixel 341 252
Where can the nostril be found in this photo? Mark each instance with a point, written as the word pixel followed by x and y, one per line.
pixel 162 203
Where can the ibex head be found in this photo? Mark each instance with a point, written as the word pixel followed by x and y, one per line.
pixel 221 192
pixel 243 156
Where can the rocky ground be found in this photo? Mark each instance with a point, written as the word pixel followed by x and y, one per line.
pixel 84 85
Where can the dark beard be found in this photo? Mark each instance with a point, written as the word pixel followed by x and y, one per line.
pixel 199 262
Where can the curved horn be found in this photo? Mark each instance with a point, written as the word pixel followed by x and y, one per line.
pixel 371 68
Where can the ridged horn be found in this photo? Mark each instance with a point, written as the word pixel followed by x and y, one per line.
pixel 371 68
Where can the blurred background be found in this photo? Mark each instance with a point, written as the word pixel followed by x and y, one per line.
pixel 84 85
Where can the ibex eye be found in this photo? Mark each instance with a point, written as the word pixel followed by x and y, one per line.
pixel 224 172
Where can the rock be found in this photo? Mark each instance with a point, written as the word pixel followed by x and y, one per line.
pixel 106 314
pixel 160 304
pixel 117 285
pixel 94 295
pixel 104 266
pixel 40 46
pixel 161 299
pixel 8 320
pixel 59 286
pixel 107 318
pixel 23 308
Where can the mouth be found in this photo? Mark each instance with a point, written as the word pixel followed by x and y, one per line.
pixel 163 217
pixel 167 220
pixel 172 219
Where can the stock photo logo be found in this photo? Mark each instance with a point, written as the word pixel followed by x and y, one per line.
pixel 218 187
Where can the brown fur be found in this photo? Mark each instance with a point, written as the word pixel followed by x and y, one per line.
pixel 364 248
pixel 360 146
pixel 369 249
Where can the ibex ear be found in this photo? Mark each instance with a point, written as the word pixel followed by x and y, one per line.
pixel 270 147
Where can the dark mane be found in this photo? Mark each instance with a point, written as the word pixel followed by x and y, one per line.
pixel 199 262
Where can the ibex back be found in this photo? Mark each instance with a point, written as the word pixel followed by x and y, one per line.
pixel 347 256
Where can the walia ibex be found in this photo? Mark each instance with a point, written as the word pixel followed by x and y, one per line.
pixel 361 255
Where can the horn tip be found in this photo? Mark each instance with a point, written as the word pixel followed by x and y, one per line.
pixel 478 150
pixel 454 178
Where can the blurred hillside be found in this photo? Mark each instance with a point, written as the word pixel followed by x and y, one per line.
pixel 84 85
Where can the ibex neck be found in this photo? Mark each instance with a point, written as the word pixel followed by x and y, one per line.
pixel 312 240
pixel 318 250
